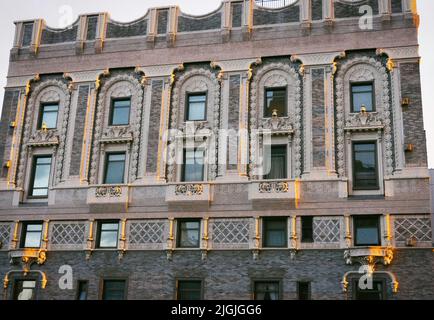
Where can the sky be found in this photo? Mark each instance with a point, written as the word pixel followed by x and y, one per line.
pixel 58 13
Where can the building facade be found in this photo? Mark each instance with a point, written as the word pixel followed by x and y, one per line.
pixel 250 153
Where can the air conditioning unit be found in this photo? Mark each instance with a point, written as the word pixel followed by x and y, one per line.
pixel 410 242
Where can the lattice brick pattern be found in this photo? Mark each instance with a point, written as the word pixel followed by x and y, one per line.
pixel 68 233
pixel 326 230
pixel 417 227
pixel 146 232
pixel 5 234
pixel 234 231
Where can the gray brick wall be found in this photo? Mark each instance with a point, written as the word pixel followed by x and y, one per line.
pixel 237 14
pixel 162 21
pixel 80 118
pixel 346 10
pixel 154 126
pixel 318 118
pixel 234 115
pixel 316 9
pixel 226 274
pixel 286 15
pixel 9 110
pixel 414 132
pixel 116 30
pixel 52 37
pixel 187 24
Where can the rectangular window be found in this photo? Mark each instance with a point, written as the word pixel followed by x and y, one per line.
pixel 275 232
pixel 113 290
pixel 266 290
pixel 196 107
pixel 306 229
pixel 82 288
pixel 24 290
pixel 40 176
pixel 108 234
pixel 189 290
pixel 374 293
pixel 362 95
pixel 366 230
pixel 277 168
pixel 193 167
pixel 31 235
pixel 275 102
pixel 48 116
pixel 120 112
pixel 188 233
pixel 303 290
pixel 365 168
pixel 115 168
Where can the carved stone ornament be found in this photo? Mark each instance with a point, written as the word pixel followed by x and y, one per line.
pixel 44 138
pixel 363 69
pixel 369 256
pixel 120 86
pixel 273 187
pixel 276 75
pixel 363 121
pixel 196 80
pixel 109 191
pixel 27 257
pixel 47 91
pixel 189 189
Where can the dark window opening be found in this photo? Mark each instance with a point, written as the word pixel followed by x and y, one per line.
pixel 107 235
pixel 189 290
pixel 306 229
pixel 40 176
pixel 24 290
pixel 303 290
pixel 266 290
pixel 278 163
pixel 31 235
pixel 362 95
pixel 275 102
pixel 374 293
pixel 113 290
pixel 193 165
pixel 120 112
pixel 115 168
pixel 365 171
pixel 366 230
pixel 196 107
pixel 275 232
pixel 48 116
pixel 82 289
pixel 188 233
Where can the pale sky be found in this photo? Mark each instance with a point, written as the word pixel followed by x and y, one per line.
pixel 53 11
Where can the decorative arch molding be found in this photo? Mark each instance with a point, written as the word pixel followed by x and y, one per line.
pixel 196 80
pixel 119 86
pixel 277 74
pixel 363 69
pixel 47 91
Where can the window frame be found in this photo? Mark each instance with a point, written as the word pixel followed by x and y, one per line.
pixel 112 110
pixel 362 83
pixel 24 232
pixel 78 291
pixel 355 218
pixel 179 223
pixel 265 220
pixel 33 174
pixel 113 279
pixel 266 89
pixel 22 279
pixel 202 287
pixel 187 109
pixel 106 165
pixel 377 169
pixel 383 291
pixel 41 114
pixel 184 163
pixel 271 280
pixel 309 289
pixel 303 229
pixel 100 223
pixel 275 146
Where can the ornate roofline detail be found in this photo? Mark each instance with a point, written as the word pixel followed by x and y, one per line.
pixel 107 135
pixel 363 65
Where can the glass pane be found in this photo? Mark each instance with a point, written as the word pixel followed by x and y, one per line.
pixel 110 226
pixel 189 290
pixel 189 234
pixel 367 230
pixel 33 240
pixel 267 291
pixel 108 239
pixel 362 95
pixel 196 107
pixel 277 167
pixel 34 227
pixel 115 169
pixel 49 116
pixel 193 167
pixel 365 166
pixel 24 290
pixel 121 116
pixel 275 233
pixel 43 160
pixel 376 293
pixel 41 176
pixel 114 290
pixel 275 100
